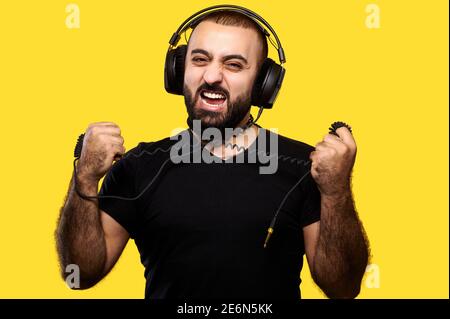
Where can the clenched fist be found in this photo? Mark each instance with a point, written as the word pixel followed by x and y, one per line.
pixel 102 145
pixel 332 162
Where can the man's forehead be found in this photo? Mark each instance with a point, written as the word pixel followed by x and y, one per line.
pixel 233 39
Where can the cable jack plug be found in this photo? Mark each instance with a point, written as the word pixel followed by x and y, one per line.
pixel 269 234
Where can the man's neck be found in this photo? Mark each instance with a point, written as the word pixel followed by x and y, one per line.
pixel 235 144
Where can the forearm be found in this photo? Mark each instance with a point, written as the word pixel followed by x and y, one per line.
pixel 79 235
pixel 342 250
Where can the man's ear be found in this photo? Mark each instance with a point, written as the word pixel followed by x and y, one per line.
pixel 267 84
pixel 174 70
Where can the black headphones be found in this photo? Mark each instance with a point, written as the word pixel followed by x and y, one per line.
pixel 270 77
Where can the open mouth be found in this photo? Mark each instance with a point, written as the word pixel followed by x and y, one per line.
pixel 213 99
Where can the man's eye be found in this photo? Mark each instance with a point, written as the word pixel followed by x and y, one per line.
pixel 234 66
pixel 198 59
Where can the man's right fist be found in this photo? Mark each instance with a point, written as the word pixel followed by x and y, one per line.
pixel 102 144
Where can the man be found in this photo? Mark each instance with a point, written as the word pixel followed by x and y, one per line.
pixel 200 227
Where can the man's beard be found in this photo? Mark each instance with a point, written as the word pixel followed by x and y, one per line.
pixel 234 113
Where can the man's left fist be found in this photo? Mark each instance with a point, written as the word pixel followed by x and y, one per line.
pixel 332 162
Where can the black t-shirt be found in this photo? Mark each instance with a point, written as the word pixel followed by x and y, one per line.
pixel 200 228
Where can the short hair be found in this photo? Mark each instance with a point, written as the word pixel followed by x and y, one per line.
pixel 237 19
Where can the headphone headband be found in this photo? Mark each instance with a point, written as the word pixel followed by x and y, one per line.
pixel 198 16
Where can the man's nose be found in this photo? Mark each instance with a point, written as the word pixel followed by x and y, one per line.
pixel 213 74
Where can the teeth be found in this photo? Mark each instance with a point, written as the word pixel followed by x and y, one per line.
pixel 213 95
pixel 213 105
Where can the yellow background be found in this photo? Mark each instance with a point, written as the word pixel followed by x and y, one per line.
pixel 390 84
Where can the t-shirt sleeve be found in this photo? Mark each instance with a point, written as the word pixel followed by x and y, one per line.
pixel 120 181
pixel 310 209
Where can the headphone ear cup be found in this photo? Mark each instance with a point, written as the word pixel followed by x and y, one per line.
pixel 174 70
pixel 267 84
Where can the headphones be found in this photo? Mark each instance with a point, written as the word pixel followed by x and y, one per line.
pixel 271 74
